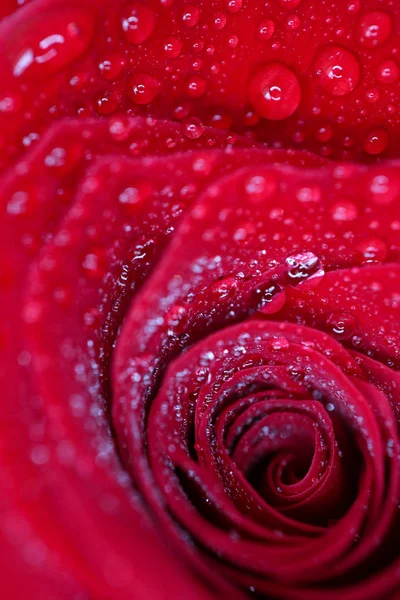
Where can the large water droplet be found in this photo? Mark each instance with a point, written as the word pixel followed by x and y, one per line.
pixel 337 69
pixel 52 43
pixel 388 71
pixel 342 324
pixel 137 22
pixel 234 5
pixel 193 128
pixel 196 86
pixel 142 88
pixel 191 15
pixel 376 140
pixel 269 297
pixel 266 29
pixel 384 189
pixel 344 212
pixel 172 47
pixel 372 250
pixel 275 92
pixel 304 266
pixel 260 187
pixel 373 29
pixel 111 66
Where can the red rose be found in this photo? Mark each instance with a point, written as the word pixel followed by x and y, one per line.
pixel 201 305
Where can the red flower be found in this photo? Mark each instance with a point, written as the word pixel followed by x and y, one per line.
pixel 201 313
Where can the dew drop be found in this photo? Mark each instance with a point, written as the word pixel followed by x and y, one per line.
pixel 266 29
pixel 372 250
pixel 52 43
pixel 269 297
pixel 196 86
pixel 383 189
pixel 344 212
pixel 234 6
pixel 373 29
pixel 191 16
pixel 376 141
pixel 142 88
pixel 111 66
pixel 388 71
pixel 134 195
pixel 309 193
pixel 372 95
pixel 304 266
pixel 292 22
pixel 259 187
pixel 324 133
pixel 193 128
pixel 106 102
pixel 220 119
pixel 275 92
pixel 342 324
pixel 279 343
pixel 337 70
pixel 225 289
pixel 137 22
pixel 172 47
pixel 219 21
pixel 94 263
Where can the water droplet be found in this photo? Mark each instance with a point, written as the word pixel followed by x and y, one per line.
pixel 219 21
pixel 133 195
pixel 53 43
pixel 220 119
pixel 172 47
pixel 260 187
pixel 338 70
pixel 196 86
pixel 373 29
pixel 191 16
pixel 111 66
pixel 120 128
pixel 372 95
pixel 40 454
pixel 354 6
pixel 275 92
pixel 193 128
pixel 371 251
pixel 279 343
pixel 106 102
pixel 383 189
pixel 344 212
pixel 176 319
pixel 142 88
pixel 342 324
pixel 137 22
pixel 10 103
pixel 376 141
pixel 304 266
pixel 269 297
pixel 94 263
pixel 266 29
pixel 233 41
pixel 292 22
pixel 324 133
pixel 234 5
pixel 309 193
pixel 388 71
pixel 224 289
pixel 20 203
